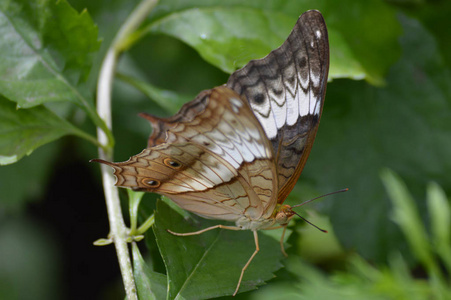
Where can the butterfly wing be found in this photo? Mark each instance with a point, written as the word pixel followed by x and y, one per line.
pixel 218 164
pixel 286 91
pixel 161 125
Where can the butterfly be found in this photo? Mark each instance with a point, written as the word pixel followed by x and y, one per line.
pixel 235 152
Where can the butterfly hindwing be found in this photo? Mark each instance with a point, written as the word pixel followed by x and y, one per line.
pixel 218 164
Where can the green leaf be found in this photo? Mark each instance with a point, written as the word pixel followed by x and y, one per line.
pixel 24 130
pixel 209 265
pixel 230 34
pixel 405 214
pixel 227 38
pixel 440 212
pixel 46 51
pixel 150 284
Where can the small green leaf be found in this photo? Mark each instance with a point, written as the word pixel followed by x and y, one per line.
pixel 440 212
pixel 24 130
pixel 102 242
pixel 209 265
pixel 405 214
pixel 150 284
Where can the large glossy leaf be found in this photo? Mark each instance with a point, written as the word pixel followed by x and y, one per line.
pixel 209 265
pixel 46 48
pixel 229 34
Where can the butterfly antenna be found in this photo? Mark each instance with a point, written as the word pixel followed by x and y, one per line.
pixel 307 221
pixel 308 201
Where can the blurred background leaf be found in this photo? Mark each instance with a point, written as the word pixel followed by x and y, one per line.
pixel 404 126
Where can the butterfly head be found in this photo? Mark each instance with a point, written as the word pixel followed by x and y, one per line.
pixel 283 214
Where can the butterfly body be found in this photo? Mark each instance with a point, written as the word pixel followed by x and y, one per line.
pixel 235 152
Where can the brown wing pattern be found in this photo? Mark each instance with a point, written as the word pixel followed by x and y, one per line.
pixel 161 125
pixel 286 91
pixel 217 163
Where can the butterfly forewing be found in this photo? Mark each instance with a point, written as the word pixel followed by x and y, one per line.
pixel 286 91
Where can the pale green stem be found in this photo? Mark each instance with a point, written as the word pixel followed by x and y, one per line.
pixel 118 230
pixel 134 198
pixel 146 225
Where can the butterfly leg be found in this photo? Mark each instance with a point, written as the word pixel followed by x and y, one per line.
pixel 257 248
pixel 282 248
pixel 204 230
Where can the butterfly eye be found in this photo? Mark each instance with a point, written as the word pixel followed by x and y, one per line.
pixel 172 163
pixel 151 183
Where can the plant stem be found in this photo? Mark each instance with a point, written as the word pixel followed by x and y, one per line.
pixel 88 137
pixel 118 231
